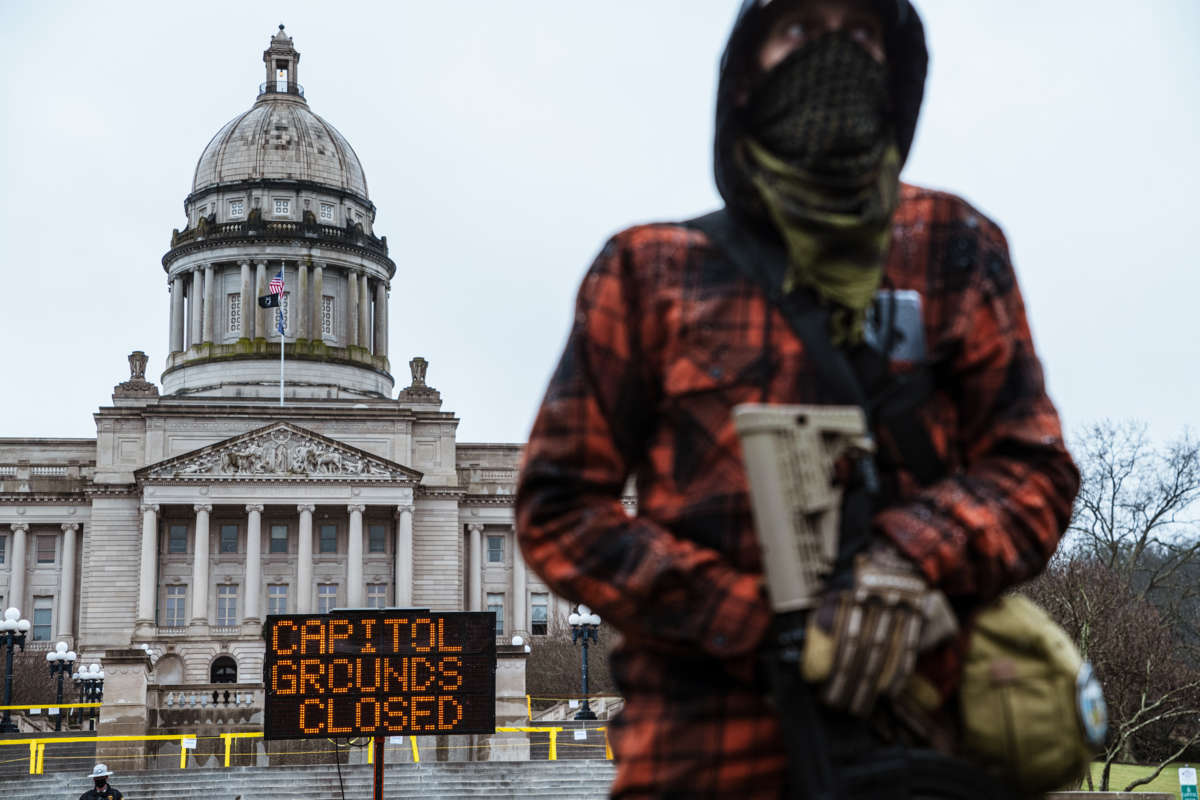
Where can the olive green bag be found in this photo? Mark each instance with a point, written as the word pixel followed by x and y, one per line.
pixel 1031 706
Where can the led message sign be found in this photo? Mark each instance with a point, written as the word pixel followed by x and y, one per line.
pixel 373 673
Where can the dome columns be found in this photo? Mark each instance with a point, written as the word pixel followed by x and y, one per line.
pixel 381 318
pixel 364 313
pixel 248 302
pixel 209 312
pixel 317 325
pixel 352 309
pixel 196 303
pixel 177 314
pixel 262 326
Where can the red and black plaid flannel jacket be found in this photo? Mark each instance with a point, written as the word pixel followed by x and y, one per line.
pixel 667 338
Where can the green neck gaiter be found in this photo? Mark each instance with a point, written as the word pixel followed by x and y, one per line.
pixel 824 162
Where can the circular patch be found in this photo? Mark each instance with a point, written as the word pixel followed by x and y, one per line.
pixel 1093 711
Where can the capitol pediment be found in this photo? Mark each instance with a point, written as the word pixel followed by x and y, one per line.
pixel 280 451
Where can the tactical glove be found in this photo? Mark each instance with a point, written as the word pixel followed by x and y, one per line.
pixel 863 642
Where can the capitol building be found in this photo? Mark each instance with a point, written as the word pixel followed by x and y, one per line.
pixel 203 505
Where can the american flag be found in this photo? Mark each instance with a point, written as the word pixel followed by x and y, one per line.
pixel 276 284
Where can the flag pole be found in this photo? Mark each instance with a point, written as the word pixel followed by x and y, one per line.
pixel 282 344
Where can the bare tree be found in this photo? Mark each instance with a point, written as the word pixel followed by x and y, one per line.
pixel 1125 587
pixel 1132 514
pixel 1152 690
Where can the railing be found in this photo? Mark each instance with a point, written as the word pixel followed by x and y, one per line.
pixel 8 472
pixel 48 472
pixel 207 231
pixel 280 87
pixel 204 699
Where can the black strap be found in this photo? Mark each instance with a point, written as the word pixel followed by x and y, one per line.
pixel 753 257
pixel 763 262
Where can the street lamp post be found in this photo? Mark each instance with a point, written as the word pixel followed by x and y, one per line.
pixel 12 631
pixel 60 660
pixel 584 626
pixel 90 684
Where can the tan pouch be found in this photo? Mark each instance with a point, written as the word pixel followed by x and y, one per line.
pixel 1031 707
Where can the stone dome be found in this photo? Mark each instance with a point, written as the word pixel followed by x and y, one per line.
pixel 280 139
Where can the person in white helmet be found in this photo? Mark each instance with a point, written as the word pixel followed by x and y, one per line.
pixel 102 790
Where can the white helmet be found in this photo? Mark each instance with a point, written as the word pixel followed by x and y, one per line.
pixel 100 771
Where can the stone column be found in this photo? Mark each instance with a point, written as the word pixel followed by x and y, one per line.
pixel 16 579
pixel 364 312
pixel 197 307
pixel 351 308
pixel 148 576
pixel 177 314
pixel 210 304
pixel 66 583
pixel 318 301
pixel 261 324
pixel 200 557
pixel 253 582
pixel 381 318
pixel 475 568
pixel 304 561
pixel 355 590
pixel 248 302
pixel 520 590
pixel 300 309
pixel 404 556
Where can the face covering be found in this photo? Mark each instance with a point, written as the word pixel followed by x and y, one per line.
pixel 820 152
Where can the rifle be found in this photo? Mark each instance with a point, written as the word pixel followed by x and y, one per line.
pixel 791 455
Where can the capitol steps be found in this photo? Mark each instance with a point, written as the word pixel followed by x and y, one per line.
pixel 569 780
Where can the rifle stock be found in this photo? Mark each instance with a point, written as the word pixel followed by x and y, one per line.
pixel 791 453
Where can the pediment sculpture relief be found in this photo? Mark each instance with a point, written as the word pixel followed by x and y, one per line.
pixel 278 453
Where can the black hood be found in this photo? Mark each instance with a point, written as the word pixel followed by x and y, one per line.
pixel 907 58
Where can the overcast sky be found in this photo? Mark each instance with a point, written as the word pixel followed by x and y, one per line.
pixel 504 142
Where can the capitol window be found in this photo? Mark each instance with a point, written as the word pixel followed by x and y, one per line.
pixel 540 606
pixel 46 547
pixel 173 616
pixel 3 551
pixel 327 316
pixel 234 303
pixel 376 595
pixel 285 309
pixel 282 207
pixel 326 597
pixel 177 536
pixel 495 604
pixel 229 539
pixel 327 211
pixel 279 539
pixel 43 614
pixel 376 539
pixel 227 605
pixel 327 539
pixel 277 598
pixel 237 208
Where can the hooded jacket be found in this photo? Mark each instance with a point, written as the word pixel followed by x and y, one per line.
pixel 908 61
pixel 668 337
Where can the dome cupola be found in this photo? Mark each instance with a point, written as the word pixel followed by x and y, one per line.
pixel 279 192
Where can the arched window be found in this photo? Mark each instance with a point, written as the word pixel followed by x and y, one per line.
pixel 224 670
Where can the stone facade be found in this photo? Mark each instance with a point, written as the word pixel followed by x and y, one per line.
pixel 202 506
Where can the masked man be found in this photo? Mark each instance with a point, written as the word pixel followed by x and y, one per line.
pixel 101 790
pixel 678 323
